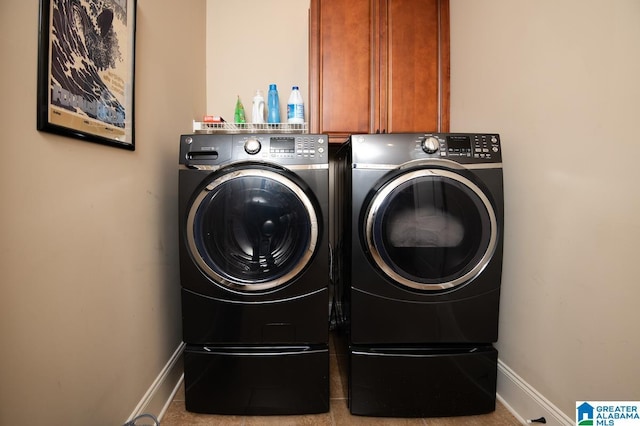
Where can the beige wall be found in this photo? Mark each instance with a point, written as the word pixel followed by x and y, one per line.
pixel 559 81
pixel 252 43
pixel 89 284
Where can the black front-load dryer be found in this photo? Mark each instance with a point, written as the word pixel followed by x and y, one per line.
pixel 421 271
pixel 254 270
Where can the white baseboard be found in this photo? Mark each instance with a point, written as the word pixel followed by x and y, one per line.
pixel 161 392
pixel 526 403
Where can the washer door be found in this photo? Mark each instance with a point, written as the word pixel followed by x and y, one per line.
pixel 252 229
pixel 430 229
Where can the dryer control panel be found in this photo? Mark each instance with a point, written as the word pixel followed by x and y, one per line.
pixel 461 147
pixel 398 148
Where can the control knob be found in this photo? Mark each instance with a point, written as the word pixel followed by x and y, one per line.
pixel 430 145
pixel 252 146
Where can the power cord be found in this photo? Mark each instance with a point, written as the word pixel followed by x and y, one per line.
pixel 133 421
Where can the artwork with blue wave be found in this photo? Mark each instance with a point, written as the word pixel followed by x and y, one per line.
pixel 87 61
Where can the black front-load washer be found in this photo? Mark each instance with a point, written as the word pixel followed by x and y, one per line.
pixel 254 270
pixel 421 271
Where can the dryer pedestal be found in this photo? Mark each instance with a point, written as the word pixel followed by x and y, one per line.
pixel 257 380
pixel 422 382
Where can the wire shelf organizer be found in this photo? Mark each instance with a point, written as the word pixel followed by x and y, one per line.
pixel 225 127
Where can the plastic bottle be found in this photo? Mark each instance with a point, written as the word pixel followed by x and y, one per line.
pixel 257 113
pixel 239 112
pixel 295 107
pixel 273 105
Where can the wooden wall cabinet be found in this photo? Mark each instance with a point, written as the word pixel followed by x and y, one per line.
pixel 378 66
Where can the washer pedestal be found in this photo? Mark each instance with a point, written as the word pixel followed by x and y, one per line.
pixel 257 380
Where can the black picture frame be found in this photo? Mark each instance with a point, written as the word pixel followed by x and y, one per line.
pixel 86 64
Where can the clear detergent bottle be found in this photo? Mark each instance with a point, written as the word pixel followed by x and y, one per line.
pixel 273 105
pixel 295 107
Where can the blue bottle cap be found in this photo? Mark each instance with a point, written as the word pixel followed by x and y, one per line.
pixel 272 86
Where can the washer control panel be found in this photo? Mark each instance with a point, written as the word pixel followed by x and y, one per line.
pixel 298 146
pixel 211 150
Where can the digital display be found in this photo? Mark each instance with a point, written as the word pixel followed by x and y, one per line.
pixel 283 144
pixel 459 142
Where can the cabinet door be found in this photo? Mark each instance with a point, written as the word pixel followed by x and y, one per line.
pixel 414 91
pixel 378 66
pixel 341 67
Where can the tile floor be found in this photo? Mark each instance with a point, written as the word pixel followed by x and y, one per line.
pixel 338 415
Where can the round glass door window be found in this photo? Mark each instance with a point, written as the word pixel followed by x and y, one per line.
pixel 430 229
pixel 252 230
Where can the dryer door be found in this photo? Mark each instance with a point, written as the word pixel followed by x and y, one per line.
pixel 252 229
pixel 430 229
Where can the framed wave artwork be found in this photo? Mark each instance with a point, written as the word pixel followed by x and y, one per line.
pixel 86 70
